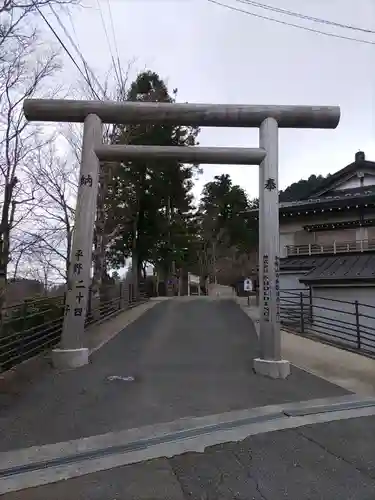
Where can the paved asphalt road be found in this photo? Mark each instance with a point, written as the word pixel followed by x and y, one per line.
pixel 190 357
pixel 329 461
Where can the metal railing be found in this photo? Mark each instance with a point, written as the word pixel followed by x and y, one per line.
pixel 34 326
pixel 331 248
pixel 346 324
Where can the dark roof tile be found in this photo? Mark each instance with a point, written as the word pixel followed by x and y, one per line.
pixel 343 268
pixel 301 263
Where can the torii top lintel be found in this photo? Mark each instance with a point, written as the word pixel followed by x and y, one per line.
pixel 208 115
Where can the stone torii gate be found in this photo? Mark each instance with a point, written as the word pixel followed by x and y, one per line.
pixel 72 352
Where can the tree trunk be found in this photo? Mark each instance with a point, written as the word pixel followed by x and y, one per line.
pixel 137 264
pixel 4 258
pixel 144 270
pixel 135 260
pixel 7 216
pixel 99 246
pixel 136 273
pixel 69 238
pixel 137 243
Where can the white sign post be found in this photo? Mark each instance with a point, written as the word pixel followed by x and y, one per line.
pixel 248 287
pixel 193 280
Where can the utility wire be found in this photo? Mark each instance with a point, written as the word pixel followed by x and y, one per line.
pixel 108 43
pixel 66 50
pixel 89 73
pixel 306 17
pixel 116 48
pixel 67 10
pixel 285 23
pixel 76 44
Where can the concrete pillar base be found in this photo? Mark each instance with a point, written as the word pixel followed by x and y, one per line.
pixel 65 359
pixel 272 368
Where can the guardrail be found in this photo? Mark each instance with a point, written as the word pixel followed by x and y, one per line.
pixel 347 324
pixel 34 326
pixel 331 248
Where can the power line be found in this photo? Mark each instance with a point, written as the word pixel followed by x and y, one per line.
pixel 108 43
pixel 76 44
pixel 67 10
pixel 66 50
pixel 88 71
pixel 306 17
pixel 285 23
pixel 116 47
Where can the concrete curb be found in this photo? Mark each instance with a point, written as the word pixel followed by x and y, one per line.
pixel 46 464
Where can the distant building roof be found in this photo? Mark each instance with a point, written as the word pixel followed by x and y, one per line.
pixel 333 269
pixel 338 198
pixel 300 263
pixel 344 201
pixel 330 196
pixel 328 184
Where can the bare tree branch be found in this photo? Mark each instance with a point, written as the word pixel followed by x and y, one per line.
pixel 56 183
pixel 25 68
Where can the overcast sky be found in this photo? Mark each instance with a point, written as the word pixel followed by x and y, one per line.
pixel 212 54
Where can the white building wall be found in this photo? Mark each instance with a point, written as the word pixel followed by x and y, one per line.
pixel 290 281
pixel 339 236
pixel 290 295
pixel 286 239
pixel 291 231
pixel 352 183
pixel 355 182
pixel 369 180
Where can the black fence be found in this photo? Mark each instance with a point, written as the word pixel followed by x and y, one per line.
pixel 346 324
pixel 34 326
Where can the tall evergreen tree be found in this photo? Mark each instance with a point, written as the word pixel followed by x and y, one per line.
pixel 151 198
pixel 301 190
pixel 226 228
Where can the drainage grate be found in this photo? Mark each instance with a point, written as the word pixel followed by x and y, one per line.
pixel 137 445
pixel 183 434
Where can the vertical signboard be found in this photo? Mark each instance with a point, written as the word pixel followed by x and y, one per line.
pixel 266 289
pixel 277 287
